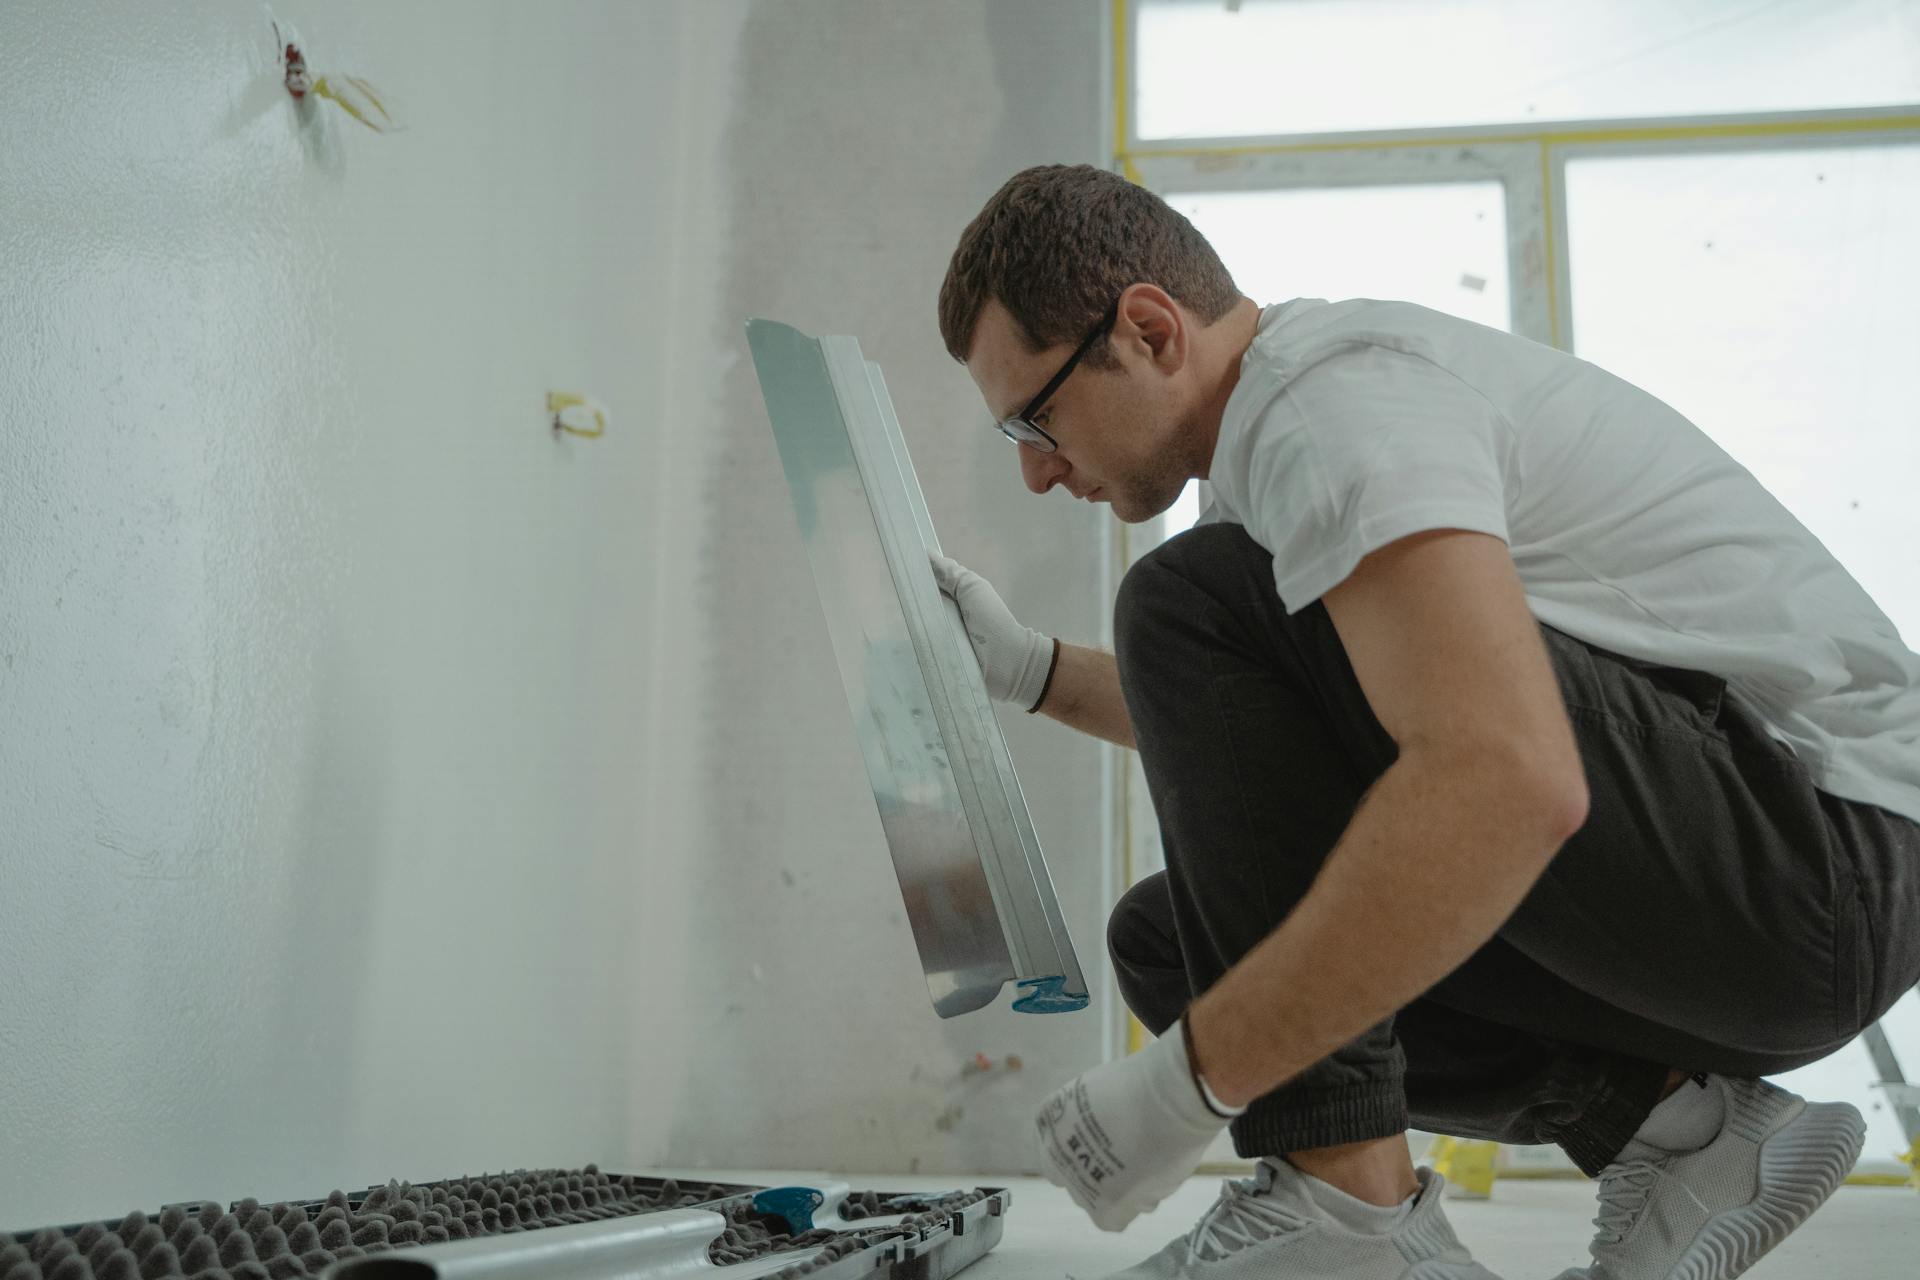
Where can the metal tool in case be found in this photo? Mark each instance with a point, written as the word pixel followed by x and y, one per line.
pixel 675 1243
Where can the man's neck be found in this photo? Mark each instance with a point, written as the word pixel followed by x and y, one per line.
pixel 1225 344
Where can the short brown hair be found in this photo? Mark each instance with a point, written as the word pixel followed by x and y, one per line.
pixel 1059 243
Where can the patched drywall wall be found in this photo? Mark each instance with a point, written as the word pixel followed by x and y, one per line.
pixel 863 135
pixel 392 788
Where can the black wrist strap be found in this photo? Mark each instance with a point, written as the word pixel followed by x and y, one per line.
pixel 1052 667
pixel 1193 1069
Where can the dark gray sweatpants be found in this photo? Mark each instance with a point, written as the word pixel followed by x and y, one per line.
pixel 1715 913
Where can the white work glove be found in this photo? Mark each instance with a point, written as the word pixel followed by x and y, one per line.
pixel 1015 660
pixel 1124 1135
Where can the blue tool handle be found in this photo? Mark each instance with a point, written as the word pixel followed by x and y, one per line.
pixel 1046 995
pixel 795 1204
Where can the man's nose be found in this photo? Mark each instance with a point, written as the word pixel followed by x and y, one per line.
pixel 1040 470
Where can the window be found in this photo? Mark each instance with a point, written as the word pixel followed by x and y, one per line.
pixel 1712 198
pixel 1442 245
pixel 1785 326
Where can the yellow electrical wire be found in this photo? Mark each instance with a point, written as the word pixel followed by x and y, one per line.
pixel 358 99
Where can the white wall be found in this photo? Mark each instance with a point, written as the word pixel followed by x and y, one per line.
pixel 325 672
pixel 387 789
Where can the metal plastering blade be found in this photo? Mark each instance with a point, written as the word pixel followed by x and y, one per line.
pixel 979 900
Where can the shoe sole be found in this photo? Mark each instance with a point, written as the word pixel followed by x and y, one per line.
pixel 1800 1166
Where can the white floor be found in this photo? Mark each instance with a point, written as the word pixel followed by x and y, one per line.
pixel 1528 1231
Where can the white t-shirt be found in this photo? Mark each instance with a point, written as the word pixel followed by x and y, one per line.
pixel 1356 423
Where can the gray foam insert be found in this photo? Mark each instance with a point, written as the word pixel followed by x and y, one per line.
pixel 285 1241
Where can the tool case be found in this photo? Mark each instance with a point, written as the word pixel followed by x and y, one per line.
pixel 548 1223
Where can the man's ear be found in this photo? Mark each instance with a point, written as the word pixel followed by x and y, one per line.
pixel 1150 317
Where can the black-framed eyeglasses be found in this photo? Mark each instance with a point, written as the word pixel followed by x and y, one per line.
pixel 1021 428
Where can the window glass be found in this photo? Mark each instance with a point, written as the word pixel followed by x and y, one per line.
pixel 1769 296
pixel 1442 245
pixel 1207 69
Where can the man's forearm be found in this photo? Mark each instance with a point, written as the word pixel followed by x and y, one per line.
pixel 1084 694
pixel 1436 858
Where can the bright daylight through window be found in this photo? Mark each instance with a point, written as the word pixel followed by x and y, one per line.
pixel 1212 70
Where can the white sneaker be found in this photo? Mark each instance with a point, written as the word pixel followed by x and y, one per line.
pixel 1710 1214
pixel 1268 1227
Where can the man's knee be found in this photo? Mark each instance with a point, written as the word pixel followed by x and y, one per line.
pixel 1215 561
pixel 1140 929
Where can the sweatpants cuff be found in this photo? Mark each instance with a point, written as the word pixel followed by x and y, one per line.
pixel 1307 1119
pixel 1612 1115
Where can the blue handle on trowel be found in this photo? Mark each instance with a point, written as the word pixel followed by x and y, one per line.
pixel 795 1204
pixel 1046 995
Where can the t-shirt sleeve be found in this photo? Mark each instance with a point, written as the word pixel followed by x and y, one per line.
pixel 1364 448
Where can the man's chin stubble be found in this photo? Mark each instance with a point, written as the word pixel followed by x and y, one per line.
pixel 1130 510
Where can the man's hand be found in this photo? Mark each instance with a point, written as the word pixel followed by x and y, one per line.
pixel 1124 1135
pixel 1015 660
